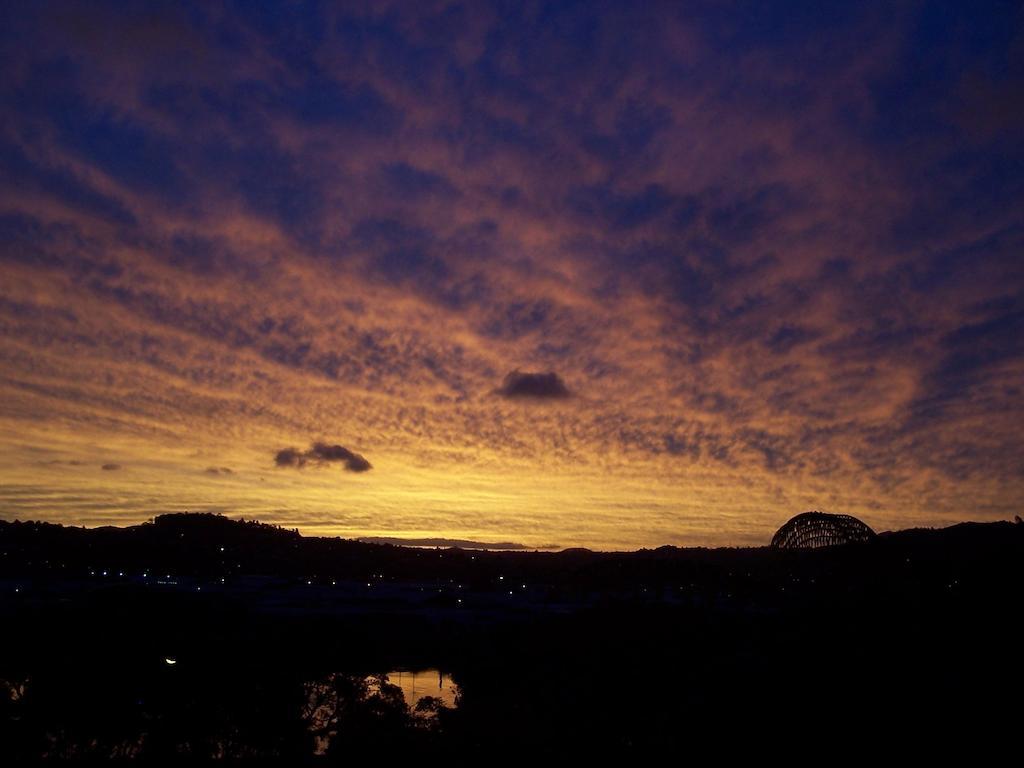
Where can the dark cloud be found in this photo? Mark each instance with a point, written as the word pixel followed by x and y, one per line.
pixel 289 457
pixel 322 453
pixel 323 99
pixel 778 453
pixel 677 445
pixel 540 386
pixel 620 211
pixel 518 319
pixel 789 336
pixel 204 255
pixel 120 144
pixel 219 471
pixel 18 171
pixel 973 355
pixel 110 467
pixel 740 219
pixel 399 251
pixel 411 183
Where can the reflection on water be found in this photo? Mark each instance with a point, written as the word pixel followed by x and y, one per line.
pixel 139 716
pixel 427 682
pixel 341 706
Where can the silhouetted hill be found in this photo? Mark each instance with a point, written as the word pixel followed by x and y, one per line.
pixel 555 652
pixel 207 546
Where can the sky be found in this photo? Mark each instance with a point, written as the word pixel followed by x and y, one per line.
pixel 613 275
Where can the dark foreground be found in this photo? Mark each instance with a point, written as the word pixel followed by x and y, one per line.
pixel 909 640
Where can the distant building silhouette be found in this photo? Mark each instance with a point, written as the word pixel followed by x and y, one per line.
pixel 811 530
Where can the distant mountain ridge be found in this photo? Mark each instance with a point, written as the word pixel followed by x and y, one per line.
pixel 211 546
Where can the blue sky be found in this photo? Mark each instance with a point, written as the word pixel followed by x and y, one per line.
pixel 739 259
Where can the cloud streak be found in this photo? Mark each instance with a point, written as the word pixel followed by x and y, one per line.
pixel 459 543
pixel 777 268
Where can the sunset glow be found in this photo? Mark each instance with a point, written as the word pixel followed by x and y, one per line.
pixel 768 272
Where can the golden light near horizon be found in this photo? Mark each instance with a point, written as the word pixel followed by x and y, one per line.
pixel 212 255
